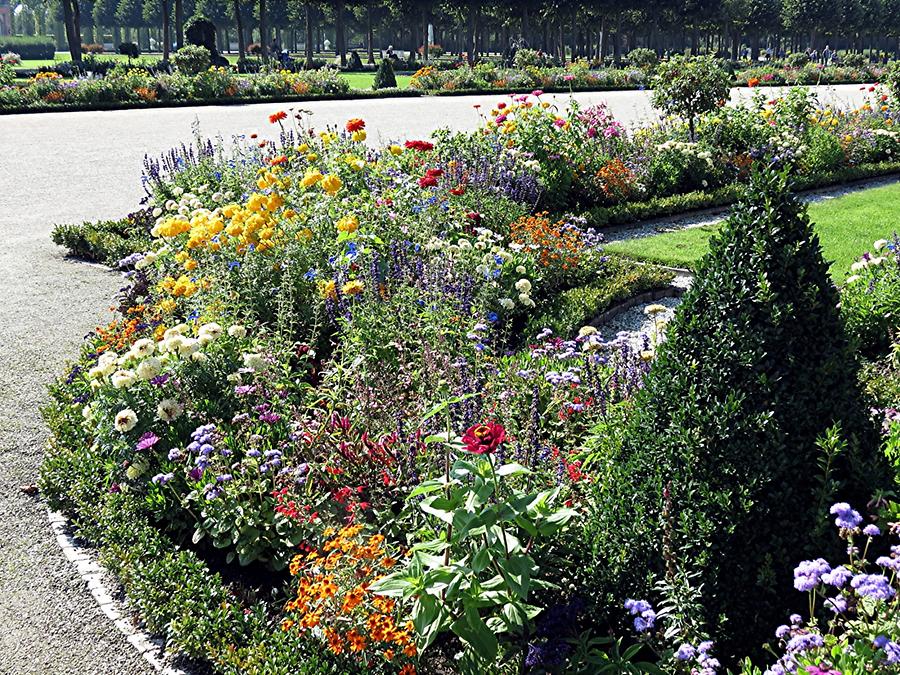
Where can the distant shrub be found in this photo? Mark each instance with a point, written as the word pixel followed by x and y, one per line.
pixel 7 75
pixel 192 59
pixel 28 47
pixel 527 57
pixel 643 58
pixel 130 49
pixel 92 48
pixel 854 61
pixel 797 59
pixel 11 59
pixel 384 76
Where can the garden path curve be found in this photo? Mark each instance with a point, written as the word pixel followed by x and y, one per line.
pixel 68 167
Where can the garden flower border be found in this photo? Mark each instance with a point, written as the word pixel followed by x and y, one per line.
pixel 355 94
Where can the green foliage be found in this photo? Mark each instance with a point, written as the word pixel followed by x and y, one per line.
pixel 28 47
pixel 7 75
pixel 105 241
pixel 619 280
pixel 891 79
pixel 797 59
pixel 720 457
pixel 192 59
pixel 384 76
pixel 643 58
pixel 870 298
pixel 477 581
pixel 689 87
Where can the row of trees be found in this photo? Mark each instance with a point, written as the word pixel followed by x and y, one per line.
pixel 563 28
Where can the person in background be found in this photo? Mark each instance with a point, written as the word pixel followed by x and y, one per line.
pixel 826 55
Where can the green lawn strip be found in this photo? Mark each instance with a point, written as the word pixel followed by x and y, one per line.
pixel 846 226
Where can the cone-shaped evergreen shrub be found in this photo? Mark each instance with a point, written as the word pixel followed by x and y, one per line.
pixel 755 369
pixel 384 76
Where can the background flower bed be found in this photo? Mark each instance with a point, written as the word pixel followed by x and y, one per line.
pixel 129 86
pixel 336 361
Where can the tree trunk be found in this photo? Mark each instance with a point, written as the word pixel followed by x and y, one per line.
pixel 370 46
pixel 166 38
pixel 179 24
pixel 309 35
pixel 263 30
pixel 339 36
pixel 239 25
pixel 473 33
pixel 526 25
pixel 601 39
pixel 73 32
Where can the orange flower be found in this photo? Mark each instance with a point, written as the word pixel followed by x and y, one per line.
pixel 274 118
pixel 408 669
pixel 356 640
pixel 753 81
pixel 355 124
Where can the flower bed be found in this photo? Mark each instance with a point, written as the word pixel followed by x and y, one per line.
pixel 138 86
pixel 358 385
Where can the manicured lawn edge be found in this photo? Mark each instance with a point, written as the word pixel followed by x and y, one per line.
pixel 701 200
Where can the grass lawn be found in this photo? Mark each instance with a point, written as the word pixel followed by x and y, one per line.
pixel 846 226
pixel 356 80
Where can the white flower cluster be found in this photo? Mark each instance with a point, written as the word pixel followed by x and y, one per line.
pixel 689 149
pixel 146 359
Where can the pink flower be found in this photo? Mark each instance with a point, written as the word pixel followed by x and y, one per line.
pixel 483 439
pixel 568 78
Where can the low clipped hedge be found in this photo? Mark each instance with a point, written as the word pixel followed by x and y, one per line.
pixel 28 47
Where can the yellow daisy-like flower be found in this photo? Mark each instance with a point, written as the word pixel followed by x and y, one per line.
pixel 395 150
pixel 349 223
pixel 312 177
pixel 331 184
pixel 354 287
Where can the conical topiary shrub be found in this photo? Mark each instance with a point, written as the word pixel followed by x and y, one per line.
pixel 719 475
pixel 384 76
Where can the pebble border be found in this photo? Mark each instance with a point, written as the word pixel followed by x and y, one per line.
pixel 92 573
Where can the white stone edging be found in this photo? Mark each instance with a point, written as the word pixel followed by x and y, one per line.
pixel 92 573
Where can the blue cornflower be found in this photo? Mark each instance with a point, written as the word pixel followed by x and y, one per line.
pixel 492 317
pixel 311 274
pixel 234 264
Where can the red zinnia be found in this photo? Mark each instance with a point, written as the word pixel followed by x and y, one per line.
pixel 427 181
pixel 355 125
pixel 483 439
pixel 277 117
pixel 423 146
pixel 457 191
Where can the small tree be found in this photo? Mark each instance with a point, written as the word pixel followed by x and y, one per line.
pixel 384 77
pixel 192 59
pixel 891 80
pixel 689 87
pixel 720 476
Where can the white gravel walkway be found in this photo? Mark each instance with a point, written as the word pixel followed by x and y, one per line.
pixel 69 167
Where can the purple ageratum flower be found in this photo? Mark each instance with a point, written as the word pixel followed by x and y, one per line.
pixel 872 586
pixel 838 604
pixel 796 620
pixel 160 380
pixel 809 572
pixel 175 455
pixel 889 563
pixel 162 478
pixel 804 642
pixel 781 631
pixel 644 616
pixel 891 649
pixel 846 517
pixel 269 418
pixel 685 652
pixel 838 577
pixel 147 441
pixel 871 531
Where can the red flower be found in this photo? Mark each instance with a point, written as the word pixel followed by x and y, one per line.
pixel 427 181
pixel 434 173
pixel 474 216
pixel 355 125
pixel 423 146
pixel 483 439
pixel 275 161
pixel 501 106
pixel 277 117
pixel 457 191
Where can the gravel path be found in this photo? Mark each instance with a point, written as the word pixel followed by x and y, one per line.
pixel 69 167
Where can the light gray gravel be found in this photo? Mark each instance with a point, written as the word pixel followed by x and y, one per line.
pixel 638 329
pixel 70 167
